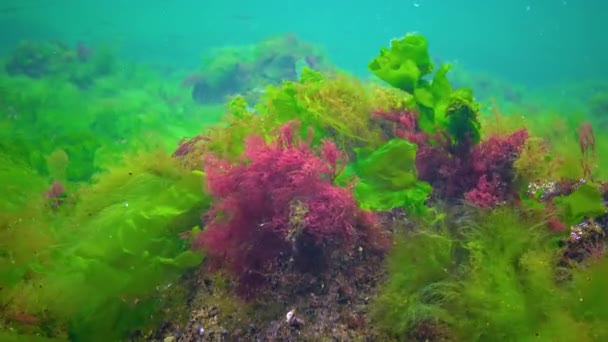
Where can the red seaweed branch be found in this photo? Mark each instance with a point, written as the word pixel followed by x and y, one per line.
pixel 56 195
pixel 586 139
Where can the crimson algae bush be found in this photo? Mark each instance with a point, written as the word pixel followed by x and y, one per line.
pixel 279 203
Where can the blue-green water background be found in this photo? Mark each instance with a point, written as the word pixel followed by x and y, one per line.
pixel 524 41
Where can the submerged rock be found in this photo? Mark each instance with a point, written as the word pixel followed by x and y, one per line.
pixel 247 69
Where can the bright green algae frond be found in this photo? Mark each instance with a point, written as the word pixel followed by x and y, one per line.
pixel 584 202
pixel 404 63
pixel 439 106
pixel 103 267
pixel 387 178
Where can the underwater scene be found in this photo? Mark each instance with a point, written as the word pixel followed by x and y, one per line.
pixel 303 171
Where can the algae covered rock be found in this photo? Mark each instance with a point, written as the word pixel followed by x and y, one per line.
pixel 248 69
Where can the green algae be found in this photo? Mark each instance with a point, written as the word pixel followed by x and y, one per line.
pixel 386 178
pixel 107 259
pixel 492 277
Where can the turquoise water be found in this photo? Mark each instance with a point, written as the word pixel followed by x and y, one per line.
pixel 531 42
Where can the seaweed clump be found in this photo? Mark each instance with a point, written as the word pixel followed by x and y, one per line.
pixel 278 208
pixel 499 270
pixel 248 69
pixel 444 123
pixel 103 266
pixel 80 65
pixel 499 267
